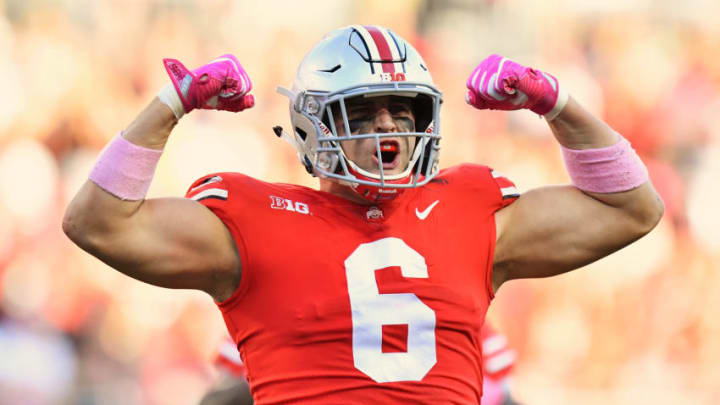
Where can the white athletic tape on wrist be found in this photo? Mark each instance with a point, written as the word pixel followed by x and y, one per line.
pixel 168 95
pixel 560 103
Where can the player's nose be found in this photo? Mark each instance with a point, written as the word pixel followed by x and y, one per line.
pixel 384 121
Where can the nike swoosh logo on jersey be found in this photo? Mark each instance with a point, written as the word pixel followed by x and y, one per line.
pixel 424 213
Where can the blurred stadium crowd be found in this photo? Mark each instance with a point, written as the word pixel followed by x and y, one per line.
pixel 638 327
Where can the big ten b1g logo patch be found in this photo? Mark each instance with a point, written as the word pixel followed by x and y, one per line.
pixel 392 76
pixel 287 204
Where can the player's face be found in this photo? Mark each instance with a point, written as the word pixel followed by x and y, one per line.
pixel 383 114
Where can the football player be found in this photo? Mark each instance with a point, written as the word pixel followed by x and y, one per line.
pixel 372 289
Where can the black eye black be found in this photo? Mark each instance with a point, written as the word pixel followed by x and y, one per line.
pixel 407 122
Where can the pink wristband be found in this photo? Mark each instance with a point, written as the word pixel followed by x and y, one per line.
pixel 124 169
pixel 610 169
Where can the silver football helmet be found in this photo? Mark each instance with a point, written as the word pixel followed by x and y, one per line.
pixel 362 61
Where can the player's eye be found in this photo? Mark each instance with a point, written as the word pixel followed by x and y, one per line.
pixel 356 124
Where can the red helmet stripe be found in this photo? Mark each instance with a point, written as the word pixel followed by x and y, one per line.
pixel 383 48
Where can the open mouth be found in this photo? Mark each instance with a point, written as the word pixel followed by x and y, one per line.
pixel 389 153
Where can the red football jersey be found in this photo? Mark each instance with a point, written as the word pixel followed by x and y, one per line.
pixel 341 303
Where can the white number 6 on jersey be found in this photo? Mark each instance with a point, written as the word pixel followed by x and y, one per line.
pixel 371 310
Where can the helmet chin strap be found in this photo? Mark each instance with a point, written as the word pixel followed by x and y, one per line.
pixel 377 194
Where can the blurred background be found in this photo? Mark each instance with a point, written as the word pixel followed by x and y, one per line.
pixel 639 327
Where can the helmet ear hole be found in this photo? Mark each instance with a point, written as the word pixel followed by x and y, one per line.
pixel 423 111
pixel 302 134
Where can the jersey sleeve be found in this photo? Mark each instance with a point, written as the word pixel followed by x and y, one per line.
pixel 484 186
pixel 508 191
pixel 215 192
pixel 225 195
pixel 212 186
pixel 479 192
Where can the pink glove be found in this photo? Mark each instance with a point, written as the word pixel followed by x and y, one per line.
pixel 222 84
pixel 501 84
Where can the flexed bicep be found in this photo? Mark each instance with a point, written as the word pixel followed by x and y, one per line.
pixel 552 230
pixel 167 242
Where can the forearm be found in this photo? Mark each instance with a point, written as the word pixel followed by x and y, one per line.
pixel 152 127
pixel 576 128
pixel 611 201
pixel 169 242
pixel 95 211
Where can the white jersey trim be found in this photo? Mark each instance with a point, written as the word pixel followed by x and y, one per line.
pixel 211 193
pixel 509 191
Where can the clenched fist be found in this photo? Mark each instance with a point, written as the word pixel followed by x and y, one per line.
pixel 499 83
pixel 222 84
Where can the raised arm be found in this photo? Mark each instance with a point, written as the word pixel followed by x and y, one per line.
pixel 168 242
pixel 552 230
